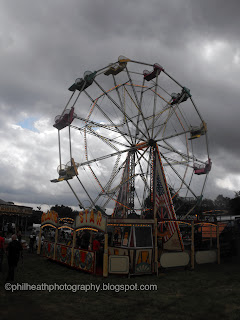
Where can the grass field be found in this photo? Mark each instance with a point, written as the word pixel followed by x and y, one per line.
pixel 208 292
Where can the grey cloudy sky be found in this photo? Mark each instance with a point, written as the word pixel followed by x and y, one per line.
pixel 45 46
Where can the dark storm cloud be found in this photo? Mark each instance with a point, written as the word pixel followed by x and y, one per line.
pixel 46 46
pixel 47 41
pixel 217 18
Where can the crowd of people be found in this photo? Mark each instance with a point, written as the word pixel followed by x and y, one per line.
pixel 13 251
pixel 11 246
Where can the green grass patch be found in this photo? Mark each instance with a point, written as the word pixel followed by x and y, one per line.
pixel 208 292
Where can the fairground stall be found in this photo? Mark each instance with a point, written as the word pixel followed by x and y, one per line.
pixel 201 242
pixel 98 245
pixel 71 241
pixel 131 246
pixel 11 214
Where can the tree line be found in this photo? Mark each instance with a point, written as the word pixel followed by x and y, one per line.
pixel 230 205
pixel 181 205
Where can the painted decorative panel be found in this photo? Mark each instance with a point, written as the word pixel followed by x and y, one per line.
pixel 84 260
pixel 143 261
pixel 48 249
pixel 117 251
pixel 63 254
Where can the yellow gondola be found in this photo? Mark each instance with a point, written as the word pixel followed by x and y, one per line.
pixel 197 132
pixel 118 67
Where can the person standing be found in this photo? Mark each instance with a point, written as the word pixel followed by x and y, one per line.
pixel 96 244
pixel 2 240
pixel 96 247
pixel 85 240
pixel 19 236
pixel 14 250
pixel 32 242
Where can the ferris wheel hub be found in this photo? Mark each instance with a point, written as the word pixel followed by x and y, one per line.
pixel 152 142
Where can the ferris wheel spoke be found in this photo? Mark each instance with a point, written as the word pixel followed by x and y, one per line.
pixel 184 175
pixel 108 118
pixel 178 175
pixel 189 184
pixel 112 127
pixel 184 118
pixel 104 139
pixel 142 156
pixel 165 91
pixel 113 175
pixel 119 108
pixel 140 111
pixel 86 155
pixel 196 109
pixel 91 123
pixel 143 63
pixel 85 190
pixel 187 148
pixel 138 105
pixel 92 132
pixel 154 105
pixel 122 107
pixel 173 135
pixel 163 127
pixel 204 183
pixel 173 79
pixel 157 117
pixel 207 144
pixel 79 202
pixel 116 172
pixel 114 190
pixel 138 198
pixel 185 156
pixel 167 107
pixel 143 175
pixel 106 156
pixel 172 111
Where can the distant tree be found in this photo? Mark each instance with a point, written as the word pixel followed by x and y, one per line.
pixel 235 203
pixel 63 211
pixel 237 194
pixel 222 203
pixel 35 217
pixel 207 205
pixel 75 213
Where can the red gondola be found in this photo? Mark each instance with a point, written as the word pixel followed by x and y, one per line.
pixel 149 75
pixel 203 169
pixel 65 119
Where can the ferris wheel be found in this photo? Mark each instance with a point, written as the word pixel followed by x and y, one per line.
pixel 116 117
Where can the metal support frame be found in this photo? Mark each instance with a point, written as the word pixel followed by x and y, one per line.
pixel 132 181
